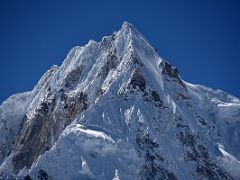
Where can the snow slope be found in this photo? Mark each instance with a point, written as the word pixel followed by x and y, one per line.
pixel 116 110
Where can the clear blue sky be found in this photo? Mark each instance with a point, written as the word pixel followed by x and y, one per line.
pixel 200 37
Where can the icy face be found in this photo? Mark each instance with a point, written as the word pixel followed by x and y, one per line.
pixel 116 110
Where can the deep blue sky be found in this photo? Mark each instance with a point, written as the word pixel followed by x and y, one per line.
pixel 200 37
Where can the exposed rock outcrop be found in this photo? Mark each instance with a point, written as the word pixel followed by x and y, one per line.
pixel 138 80
pixel 41 130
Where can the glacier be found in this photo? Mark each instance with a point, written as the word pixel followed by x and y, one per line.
pixel 115 110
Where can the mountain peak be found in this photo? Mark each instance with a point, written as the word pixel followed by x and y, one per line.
pixel 127 25
pixel 128 28
pixel 117 104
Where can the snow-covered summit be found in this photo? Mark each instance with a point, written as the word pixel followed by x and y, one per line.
pixel 115 109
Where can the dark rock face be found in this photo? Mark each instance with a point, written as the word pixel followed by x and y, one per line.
pixel 138 80
pixel 41 131
pixel 75 104
pixel 42 175
pixel 152 97
pixel 152 169
pixel 155 96
pixel 194 150
pixel 72 78
pixel 172 72
pixel 138 85
pixel 27 177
